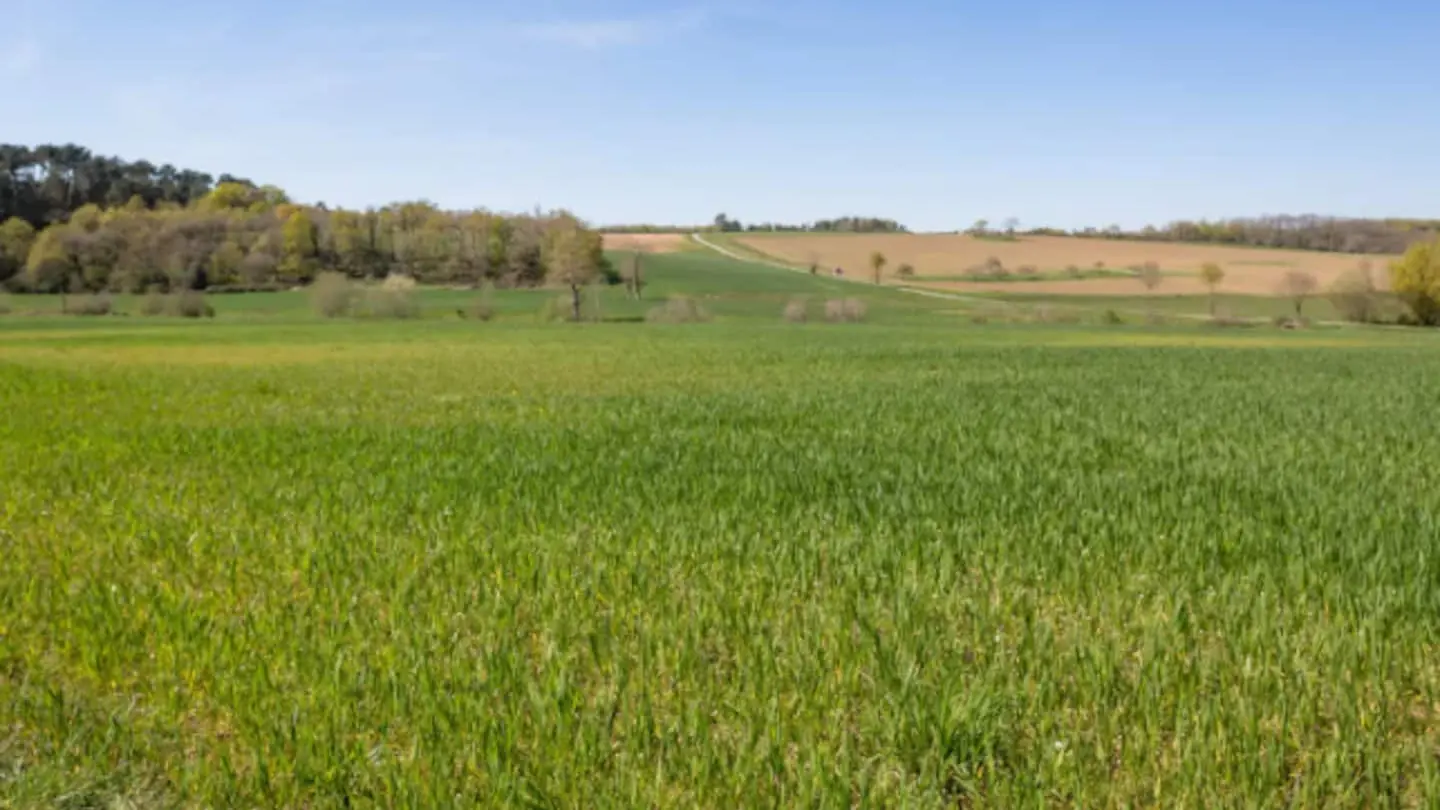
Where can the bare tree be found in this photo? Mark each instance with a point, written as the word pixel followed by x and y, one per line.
pixel 1298 286
pixel 635 279
pixel 1149 275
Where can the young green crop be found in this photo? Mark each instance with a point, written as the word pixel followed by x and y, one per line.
pixel 400 564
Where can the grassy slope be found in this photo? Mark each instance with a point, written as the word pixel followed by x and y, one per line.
pixel 280 562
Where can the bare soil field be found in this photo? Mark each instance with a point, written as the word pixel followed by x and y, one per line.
pixel 945 257
pixel 652 242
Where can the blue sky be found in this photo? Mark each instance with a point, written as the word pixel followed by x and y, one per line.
pixel 934 113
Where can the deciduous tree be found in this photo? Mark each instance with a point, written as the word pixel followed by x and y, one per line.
pixel 1149 275
pixel 300 248
pixel 1415 277
pixel 1298 285
pixel 1212 274
pixel 572 257
pixel 16 237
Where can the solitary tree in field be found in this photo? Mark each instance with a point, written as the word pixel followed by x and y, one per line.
pixel 980 228
pixel 635 279
pixel 877 263
pixel 1415 277
pixel 1297 286
pixel 572 258
pixel 1212 274
pixel 1010 225
pixel 1149 275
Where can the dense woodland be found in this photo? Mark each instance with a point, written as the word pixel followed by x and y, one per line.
pixel 1305 232
pixel 75 222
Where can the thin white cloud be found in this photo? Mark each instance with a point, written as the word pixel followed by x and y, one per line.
pixel 598 34
pixel 19 58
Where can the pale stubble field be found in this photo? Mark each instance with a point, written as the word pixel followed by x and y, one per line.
pixel 940 261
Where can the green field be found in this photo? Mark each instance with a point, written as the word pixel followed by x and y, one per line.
pixel 1257 307
pixel 273 561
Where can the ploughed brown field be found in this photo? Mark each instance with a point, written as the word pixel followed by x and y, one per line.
pixel 652 242
pixel 940 261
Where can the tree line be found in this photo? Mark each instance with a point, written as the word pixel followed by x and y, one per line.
pixel 234 235
pixel 838 225
pixel 44 184
pixel 1302 232
pixel 238 238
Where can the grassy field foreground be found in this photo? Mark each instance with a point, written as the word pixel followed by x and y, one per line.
pixel 720 565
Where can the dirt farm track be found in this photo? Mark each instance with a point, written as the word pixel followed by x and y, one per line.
pixel 940 261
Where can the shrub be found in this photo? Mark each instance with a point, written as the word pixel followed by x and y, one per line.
pixel 562 308
pixel 1223 318
pixel 797 310
pixel 554 308
pixel 482 306
pixel 332 295
pixel 995 267
pixel 1073 271
pixel 394 298
pixel 1100 265
pixel 1112 318
pixel 1060 315
pixel 678 309
pixel 1228 321
pixel 905 271
pixel 190 304
pixel 97 304
pixel 1353 295
pixel 153 303
pixel 1027 270
pixel 846 310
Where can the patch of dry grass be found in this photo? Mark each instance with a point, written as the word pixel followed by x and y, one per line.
pixel 678 309
pixel 845 310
